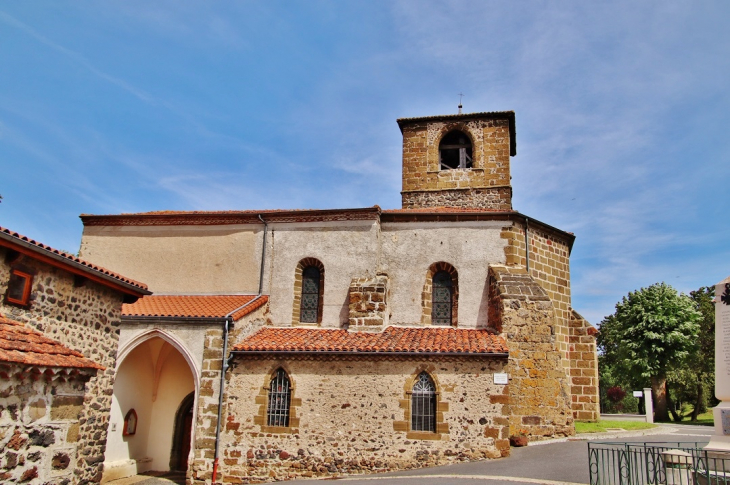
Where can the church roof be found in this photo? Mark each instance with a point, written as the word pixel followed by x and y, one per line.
pixel 71 263
pixel 22 345
pixel 392 340
pixel 194 306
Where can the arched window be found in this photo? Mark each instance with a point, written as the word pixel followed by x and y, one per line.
pixel 309 309
pixel 442 299
pixel 277 412
pixel 423 404
pixel 455 150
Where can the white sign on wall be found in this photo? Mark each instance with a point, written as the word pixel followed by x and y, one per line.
pixel 638 393
pixel 501 378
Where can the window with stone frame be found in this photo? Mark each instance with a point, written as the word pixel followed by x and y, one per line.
pixel 442 299
pixel 423 404
pixel 423 412
pixel 308 292
pixel 455 151
pixel 309 310
pixel 19 287
pixel 277 411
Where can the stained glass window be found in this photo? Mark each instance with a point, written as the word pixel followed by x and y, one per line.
pixel 442 299
pixel 309 311
pixel 423 404
pixel 279 398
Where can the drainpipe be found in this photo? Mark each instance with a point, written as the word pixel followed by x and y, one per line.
pixel 225 362
pixel 263 256
pixel 527 244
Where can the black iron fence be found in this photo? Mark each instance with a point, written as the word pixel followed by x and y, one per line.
pixel 678 463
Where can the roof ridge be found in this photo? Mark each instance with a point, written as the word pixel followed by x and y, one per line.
pixel 70 257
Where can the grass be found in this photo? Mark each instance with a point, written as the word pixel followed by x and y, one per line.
pixel 704 419
pixel 602 426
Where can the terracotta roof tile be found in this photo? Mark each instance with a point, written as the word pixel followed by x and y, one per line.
pixel 70 259
pixel 22 345
pixel 194 306
pixel 390 340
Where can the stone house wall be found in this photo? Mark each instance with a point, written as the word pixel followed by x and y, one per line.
pixel 39 427
pixel 351 415
pixel 84 316
pixel 485 185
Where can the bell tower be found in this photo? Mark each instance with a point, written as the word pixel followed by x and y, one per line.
pixel 458 161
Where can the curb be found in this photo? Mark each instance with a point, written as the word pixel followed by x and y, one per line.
pixel 608 435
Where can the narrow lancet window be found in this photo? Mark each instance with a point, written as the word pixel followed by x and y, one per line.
pixel 309 311
pixel 455 151
pixel 443 299
pixel 279 399
pixel 423 404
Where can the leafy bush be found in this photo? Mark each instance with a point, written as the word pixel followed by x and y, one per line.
pixel 616 394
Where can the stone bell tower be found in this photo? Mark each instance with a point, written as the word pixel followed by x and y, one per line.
pixel 459 161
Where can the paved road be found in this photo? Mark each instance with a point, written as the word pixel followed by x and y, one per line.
pixel 553 463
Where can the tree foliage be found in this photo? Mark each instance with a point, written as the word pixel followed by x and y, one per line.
pixel 653 331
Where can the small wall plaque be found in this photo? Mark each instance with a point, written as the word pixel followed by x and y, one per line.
pixel 725 416
pixel 638 393
pixel 501 378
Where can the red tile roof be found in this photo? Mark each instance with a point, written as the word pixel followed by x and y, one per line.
pixel 161 218
pixel 22 345
pixel 70 262
pixel 390 340
pixel 194 306
pixel 448 210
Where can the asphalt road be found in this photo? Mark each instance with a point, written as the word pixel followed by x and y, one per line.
pixel 552 463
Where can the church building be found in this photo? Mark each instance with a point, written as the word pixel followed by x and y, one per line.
pixel 296 343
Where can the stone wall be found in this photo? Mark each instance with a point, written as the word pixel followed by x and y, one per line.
pixel 550 267
pixel 39 426
pixel 200 468
pixel 539 395
pixel 369 303
pixel 489 178
pixel 352 416
pixel 583 369
pixel 488 198
pixel 84 316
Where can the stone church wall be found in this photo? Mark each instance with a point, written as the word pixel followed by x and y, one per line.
pixel 539 397
pixel 84 316
pixel 550 267
pixel 350 415
pixel 206 418
pixel 410 248
pixel 347 250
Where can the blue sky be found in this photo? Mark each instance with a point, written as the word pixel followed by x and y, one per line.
pixel 622 114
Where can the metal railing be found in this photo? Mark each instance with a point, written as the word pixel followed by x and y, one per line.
pixel 675 463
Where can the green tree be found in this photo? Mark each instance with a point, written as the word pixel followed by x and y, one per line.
pixel 703 361
pixel 653 331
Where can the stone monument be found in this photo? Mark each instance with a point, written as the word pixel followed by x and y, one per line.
pixel 720 441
